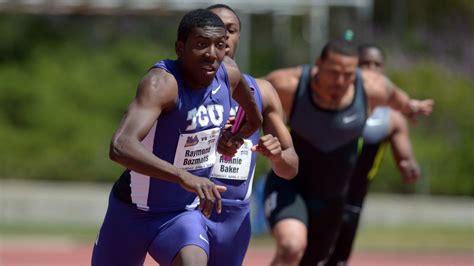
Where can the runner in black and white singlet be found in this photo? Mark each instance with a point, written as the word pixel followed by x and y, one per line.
pixel 327 105
pixel 167 140
pixel 382 127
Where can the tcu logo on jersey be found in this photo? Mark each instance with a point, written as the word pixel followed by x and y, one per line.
pixel 202 115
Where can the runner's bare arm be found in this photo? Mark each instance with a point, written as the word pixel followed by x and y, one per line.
pixel 402 149
pixel 276 144
pixel 382 91
pixel 156 93
pixel 243 95
pixel 285 82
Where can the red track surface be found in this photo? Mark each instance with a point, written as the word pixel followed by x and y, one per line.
pixel 78 255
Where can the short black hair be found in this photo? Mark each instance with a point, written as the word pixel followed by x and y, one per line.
pixel 216 6
pixel 198 18
pixel 339 46
pixel 363 47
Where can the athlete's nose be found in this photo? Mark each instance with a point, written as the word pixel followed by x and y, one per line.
pixel 212 53
pixel 340 79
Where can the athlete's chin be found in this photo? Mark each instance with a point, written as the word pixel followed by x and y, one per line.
pixel 337 93
pixel 206 79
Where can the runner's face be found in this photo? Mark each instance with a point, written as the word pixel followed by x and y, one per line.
pixel 336 73
pixel 233 29
pixel 372 58
pixel 201 54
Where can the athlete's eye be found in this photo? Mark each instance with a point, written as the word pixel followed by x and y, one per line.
pixel 333 73
pixel 348 76
pixel 221 45
pixel 201 45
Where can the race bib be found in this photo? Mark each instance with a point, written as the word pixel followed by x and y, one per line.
pixel 238 167
pixel 197 150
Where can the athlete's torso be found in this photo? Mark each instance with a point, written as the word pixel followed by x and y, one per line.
pixel 326 140
pixel 237 174
pixel 186 137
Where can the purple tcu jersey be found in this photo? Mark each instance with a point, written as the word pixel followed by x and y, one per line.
pixel 237 174
pixel 185 137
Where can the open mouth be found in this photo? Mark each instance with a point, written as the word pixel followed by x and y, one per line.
pixel 208 68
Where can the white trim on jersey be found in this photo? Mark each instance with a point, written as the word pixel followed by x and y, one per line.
pixel 249 190
pixel 193 205
pixel 139 183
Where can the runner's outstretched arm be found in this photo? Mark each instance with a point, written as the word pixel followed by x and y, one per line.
pixel 401 148
pixel 382 91
pixel 276 144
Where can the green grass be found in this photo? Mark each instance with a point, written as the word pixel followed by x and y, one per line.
pixel 417 238
pixel 79 234
pixel 405 238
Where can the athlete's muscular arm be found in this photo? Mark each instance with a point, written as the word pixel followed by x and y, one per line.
pixel 285 82
pixel 276 144
pixel 381 90
pixel 156 93
pixel 243 95
pixel 402 149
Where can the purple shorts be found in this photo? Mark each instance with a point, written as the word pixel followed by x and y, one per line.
pixel 229 233
pixel 127 234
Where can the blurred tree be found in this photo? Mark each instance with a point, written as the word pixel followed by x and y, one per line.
pixel 66 80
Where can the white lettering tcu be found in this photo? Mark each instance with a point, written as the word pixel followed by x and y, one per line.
pixel 204 114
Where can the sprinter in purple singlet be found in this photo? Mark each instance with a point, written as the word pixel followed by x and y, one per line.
pixel 230 231
pixel 167 141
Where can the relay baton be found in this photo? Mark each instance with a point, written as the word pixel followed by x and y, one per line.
pixel 239 118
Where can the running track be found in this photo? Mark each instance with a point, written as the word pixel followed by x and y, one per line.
pixel 78 255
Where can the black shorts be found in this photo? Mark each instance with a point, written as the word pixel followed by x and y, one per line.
pixel 282 201
pixel 322 217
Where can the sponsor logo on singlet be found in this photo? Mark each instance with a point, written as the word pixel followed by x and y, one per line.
pixel 204 115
